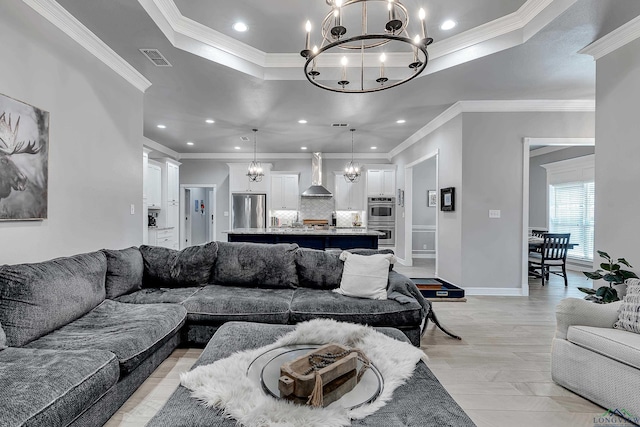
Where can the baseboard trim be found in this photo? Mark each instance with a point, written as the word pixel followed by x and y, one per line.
pixel 424 256
pixel 401 261
pixel 502 292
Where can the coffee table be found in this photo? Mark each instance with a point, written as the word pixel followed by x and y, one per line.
pixel 422 401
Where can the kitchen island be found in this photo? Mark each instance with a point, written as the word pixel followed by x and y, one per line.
pixel 347 238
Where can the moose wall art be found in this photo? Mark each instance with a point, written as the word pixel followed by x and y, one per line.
pixel 24 152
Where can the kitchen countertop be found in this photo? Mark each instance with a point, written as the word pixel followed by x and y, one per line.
pixel 329 232
pixel 161 228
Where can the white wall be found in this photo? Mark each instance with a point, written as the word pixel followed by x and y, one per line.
pixel 95 154
pixel 618 154
pixel 424 179
pixel 492 175
pixel 198 220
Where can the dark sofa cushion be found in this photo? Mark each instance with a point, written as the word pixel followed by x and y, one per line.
pixel 124 271
pixel 168 268
pixel 3 339
pixel 50 387
pixel 318 269
pixel 256 264
pixel 130 331
pixel 310 304
pixel 36 299
pixel 219 304
pixel 159 295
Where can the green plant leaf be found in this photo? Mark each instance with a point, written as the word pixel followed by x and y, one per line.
pixel 609 295
pixel 613 277
pixel 628 274
pixel 604 255
pixel 624 261
pixel 587 290
pixel 595 275
pixel 610 267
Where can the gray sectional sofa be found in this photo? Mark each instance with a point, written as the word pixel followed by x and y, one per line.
pixel 78 335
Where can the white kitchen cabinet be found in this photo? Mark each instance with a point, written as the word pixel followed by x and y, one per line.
pixel 381 182
pixel 163 237
pixel 284 191
pixel 239 182
pixel 154 186
pixel 173 182
pixel 348 196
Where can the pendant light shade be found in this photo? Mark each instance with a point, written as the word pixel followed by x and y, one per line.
pixel 352 169
pixel 255 172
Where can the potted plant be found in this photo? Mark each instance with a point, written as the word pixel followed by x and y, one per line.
pixel 611 272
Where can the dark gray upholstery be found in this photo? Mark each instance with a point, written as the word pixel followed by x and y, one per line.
pixel 3 339
pixel 37 298
pixel 52 387
pixel 196 335
pixel 402 289
pixel 319 269
pixel 131 331
pixel 421 401
pixel 124 271
pixel 254 264
pixel 310 304
pixel 168 268
pixel 215 305
pixel 159 295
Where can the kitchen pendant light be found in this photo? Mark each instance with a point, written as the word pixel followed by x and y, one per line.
pixel 255 172
pixel 352 170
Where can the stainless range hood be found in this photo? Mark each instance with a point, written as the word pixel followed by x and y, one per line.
pixel 316 189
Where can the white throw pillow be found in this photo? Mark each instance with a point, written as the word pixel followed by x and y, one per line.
pixel 629 313
pixel 365 276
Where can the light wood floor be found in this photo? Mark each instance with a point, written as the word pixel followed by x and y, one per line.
pixel 499 373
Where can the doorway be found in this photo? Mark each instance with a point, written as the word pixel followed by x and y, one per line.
pixel 198 219
pixel 421 215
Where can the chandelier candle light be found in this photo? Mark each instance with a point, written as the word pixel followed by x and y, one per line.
pixel 352 170
pixel 406 57
pixel 255 172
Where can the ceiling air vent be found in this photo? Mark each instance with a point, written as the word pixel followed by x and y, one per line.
pixel 244 138
pixel 156 57
pixel 339 125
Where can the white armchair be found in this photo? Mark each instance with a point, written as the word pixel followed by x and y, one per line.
pixel 594 360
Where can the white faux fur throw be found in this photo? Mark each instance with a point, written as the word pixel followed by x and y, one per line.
pixel 224 384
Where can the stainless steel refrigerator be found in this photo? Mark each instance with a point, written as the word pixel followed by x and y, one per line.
pixel 248 210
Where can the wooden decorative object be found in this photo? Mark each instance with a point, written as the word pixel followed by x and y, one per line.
pixel 300 382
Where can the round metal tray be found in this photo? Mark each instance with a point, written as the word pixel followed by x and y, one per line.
pixel 265 370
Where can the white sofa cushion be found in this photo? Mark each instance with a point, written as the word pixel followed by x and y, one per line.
pixel 616 344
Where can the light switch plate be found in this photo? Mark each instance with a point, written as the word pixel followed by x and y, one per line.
pixel 226 213
pixel 494 213
pixel 133 209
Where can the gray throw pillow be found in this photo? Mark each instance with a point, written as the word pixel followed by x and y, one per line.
pixel 256 265
pixel 124 271
pixel 319 269
pixel 168 268
pixel 629 312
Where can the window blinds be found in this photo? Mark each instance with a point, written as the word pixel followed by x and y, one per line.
pixel 571 210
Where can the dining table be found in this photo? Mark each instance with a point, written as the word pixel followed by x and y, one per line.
pixel 535 244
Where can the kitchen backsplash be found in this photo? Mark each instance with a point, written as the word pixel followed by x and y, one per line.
pixel 316 208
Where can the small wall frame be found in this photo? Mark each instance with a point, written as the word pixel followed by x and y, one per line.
pixel 448 199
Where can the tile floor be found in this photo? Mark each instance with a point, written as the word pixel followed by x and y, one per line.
pixel 499 373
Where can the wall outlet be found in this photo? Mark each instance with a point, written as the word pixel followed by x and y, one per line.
pixel 424 246
pixel 226 213
pixel 133 209
pixel 494 213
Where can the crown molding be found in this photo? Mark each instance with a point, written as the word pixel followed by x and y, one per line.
pixel 280 156
pixel 614 40
pixel 154 146
pixel 494 106
pixel 68 24
pixel 560 141
pixel 502 33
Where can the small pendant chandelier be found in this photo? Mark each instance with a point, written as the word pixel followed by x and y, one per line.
pixel 352 169
pixel 255 172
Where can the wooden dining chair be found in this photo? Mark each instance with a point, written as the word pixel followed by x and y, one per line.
pixel 538 233
pixel 553 254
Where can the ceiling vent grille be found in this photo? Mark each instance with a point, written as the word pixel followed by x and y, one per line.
pixel 156 57
pixel 339 125
pixel 244 138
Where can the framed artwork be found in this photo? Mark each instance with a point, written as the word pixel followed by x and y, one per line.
pixel 399 198
pixel 432 198
pixel 447 199
pixel 24 161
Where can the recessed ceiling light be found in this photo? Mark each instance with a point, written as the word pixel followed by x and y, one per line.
pixel 162 127
pixel 401 121
pixel 237 148
pixel 210 121
pixel 240 27
pixel 189 143
pixel 302 121
pixel 374 148
pixel 303 148
pixel 447 25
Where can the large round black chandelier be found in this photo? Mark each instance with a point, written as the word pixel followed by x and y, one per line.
pixel 358 37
